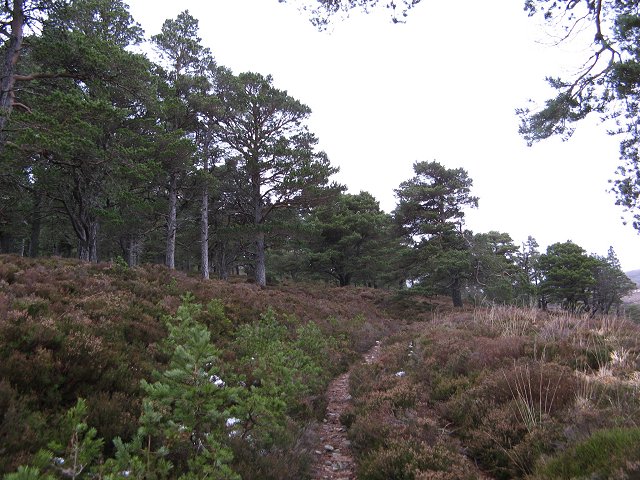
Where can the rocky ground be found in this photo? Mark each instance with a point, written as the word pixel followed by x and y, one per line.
pixel 333 457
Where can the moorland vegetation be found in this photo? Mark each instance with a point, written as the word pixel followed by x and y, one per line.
pixel 126 183
pixel 117 372
pixel 222 379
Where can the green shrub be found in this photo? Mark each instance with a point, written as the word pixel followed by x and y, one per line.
pixel 214 316
pixel 606 454
pixel 189 402
pixel 286 365
pixel 70 455
pixel 445 387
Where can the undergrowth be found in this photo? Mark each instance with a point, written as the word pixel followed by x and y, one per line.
pixel 107 334
pixel 506 393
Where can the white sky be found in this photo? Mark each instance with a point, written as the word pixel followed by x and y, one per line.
pixel 444 86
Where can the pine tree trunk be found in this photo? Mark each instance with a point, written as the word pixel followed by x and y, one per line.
pixel 344 279
pixel 204 224
pixel 260 267
pixel 132 249
pixel 36 226
pixel 172 227
pixel 456 293
pixel 11 56
pixel 260 264
pixel 223 273
pixel 88 240
pixel 93 242
pixel 83 250
pixel 129 251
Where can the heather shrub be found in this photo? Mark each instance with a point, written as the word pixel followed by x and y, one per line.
pixel 33 306
pixel 539 389
pixel 535 444
pixel 394 358
pixel 451 349
pixel 21 333
pixel 364 378
pixel 396 397
pixel 496 352
pixel 423 369
pixel 35 373
pixel 408 460
pixel 289 459
pixel 8 272
pixel 504 446
pixel 214 316
pixel 361 333
pixel 491 439
pixel 369 431
pixel 401 396
pixel 464 410
pixel 5 302
pixel 457 351
pixel 113 414
pixel 469 406
pixel 591 412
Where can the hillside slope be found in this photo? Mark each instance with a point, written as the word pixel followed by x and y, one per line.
pixel 634 275
pixel 70 329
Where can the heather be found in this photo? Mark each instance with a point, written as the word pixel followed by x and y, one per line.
pixel 501 393
pixel 108 334
pixel 147 372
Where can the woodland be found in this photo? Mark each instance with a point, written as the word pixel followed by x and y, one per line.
pixel 177 265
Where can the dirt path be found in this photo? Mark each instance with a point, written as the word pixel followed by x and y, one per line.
pixel 333 458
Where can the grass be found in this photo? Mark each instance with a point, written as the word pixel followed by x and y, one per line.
pixel 534 393
pixel 611 453
pixel 516 390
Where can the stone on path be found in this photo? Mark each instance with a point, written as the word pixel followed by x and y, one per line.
pixel 334 460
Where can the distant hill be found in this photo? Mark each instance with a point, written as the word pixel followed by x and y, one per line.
pixel 634 275
pixel 633 297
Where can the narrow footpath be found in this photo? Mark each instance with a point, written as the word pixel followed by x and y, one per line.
pixel 333 457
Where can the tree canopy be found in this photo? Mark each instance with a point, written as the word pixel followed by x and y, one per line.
pixel 183 162
pixel 577 281
pixel 607 85
pixel 349 236
pixel 276 158
pixel 430 213
pixel 321 11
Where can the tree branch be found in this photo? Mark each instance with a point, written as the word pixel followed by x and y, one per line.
pixel 40 76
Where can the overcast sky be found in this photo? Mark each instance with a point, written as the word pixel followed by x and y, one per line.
pixel 443 86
